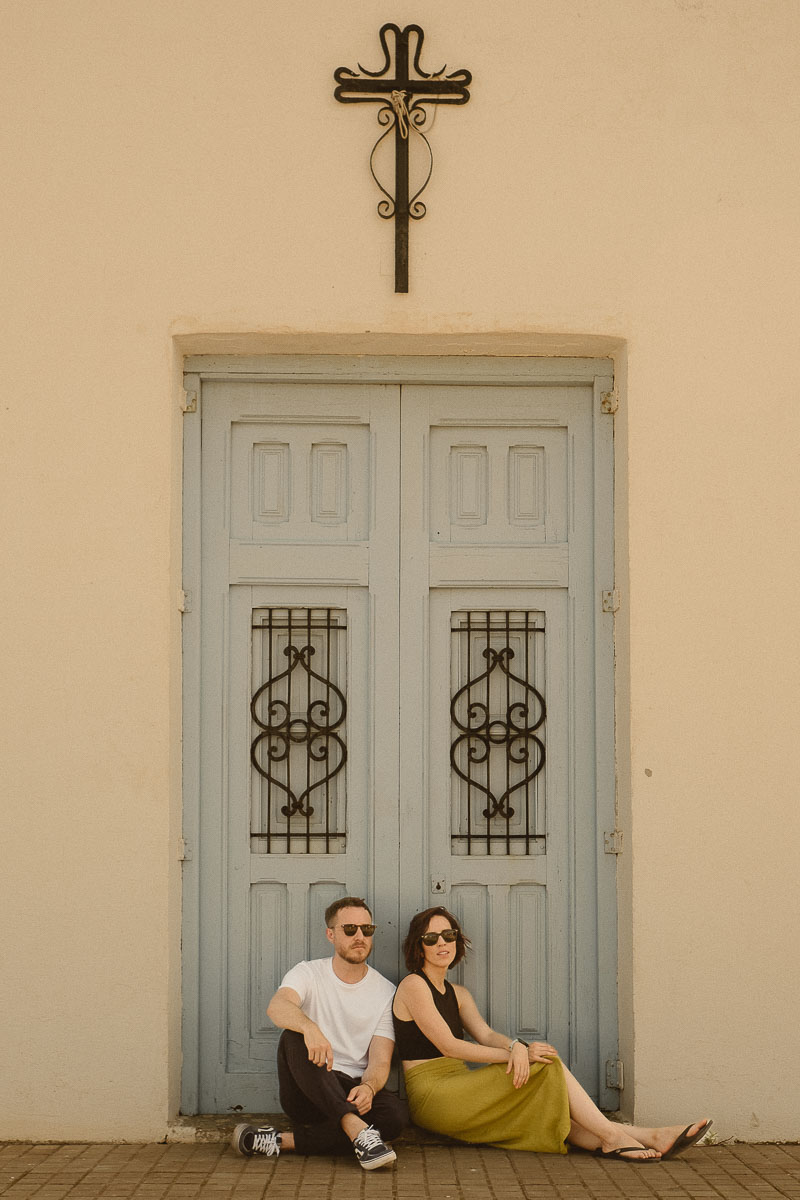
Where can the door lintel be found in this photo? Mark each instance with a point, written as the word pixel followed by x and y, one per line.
pixel 500 371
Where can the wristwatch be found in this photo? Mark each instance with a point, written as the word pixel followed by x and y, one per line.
pixel 521 1041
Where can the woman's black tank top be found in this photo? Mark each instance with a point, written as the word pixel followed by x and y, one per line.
pixel 409 1038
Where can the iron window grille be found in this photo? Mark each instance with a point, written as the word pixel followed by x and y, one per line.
pixel 498 713
pixel 299 749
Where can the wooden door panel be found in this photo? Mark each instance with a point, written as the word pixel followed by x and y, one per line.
pixel 497 560
pixel 299 589
pixel 498 486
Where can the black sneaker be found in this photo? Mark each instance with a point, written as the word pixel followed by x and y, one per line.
pixel 371 1150
pixel 249 1140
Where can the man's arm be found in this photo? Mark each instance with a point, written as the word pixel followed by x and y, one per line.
pixel 284 1011
pixel 379 1061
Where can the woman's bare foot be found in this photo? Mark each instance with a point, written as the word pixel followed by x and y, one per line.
pixel 682 1138
pixel 628 1148
pixel 664 1137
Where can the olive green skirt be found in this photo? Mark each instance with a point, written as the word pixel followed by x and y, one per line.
pixel 483 1105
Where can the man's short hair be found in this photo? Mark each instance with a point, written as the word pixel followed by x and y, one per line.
pixel 345 902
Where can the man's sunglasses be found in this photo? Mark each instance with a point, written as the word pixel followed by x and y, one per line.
pixel 349 930
pixel 430 939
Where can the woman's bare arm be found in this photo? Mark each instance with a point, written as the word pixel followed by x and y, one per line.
pixel 414 1002
pixel 476 1026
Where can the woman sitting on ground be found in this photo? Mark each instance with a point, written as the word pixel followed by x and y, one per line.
pixel 526 1100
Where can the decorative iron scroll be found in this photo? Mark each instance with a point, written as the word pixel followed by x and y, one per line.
pixel 299 750
pixel 402 90
pixel 499 751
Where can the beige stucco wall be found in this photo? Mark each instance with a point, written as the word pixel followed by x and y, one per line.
pixel 626 172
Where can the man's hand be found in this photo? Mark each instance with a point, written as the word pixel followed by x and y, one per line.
pixel 362 1096
pixel 320 1051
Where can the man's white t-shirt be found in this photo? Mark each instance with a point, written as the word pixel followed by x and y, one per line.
pixel 349 1014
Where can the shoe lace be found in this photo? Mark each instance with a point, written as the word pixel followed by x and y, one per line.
pixel 266 1142
pixel 369 1138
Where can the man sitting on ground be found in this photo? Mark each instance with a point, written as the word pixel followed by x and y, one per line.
pixel 335 1052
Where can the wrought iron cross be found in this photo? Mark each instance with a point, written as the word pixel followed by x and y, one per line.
pixel 402 100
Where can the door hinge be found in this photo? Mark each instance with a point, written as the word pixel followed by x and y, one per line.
pixel 184 850
pixel 611 601
pixel 609 402
pixel 189 403
pixel 615 1074
pixel 612 842
pixel 184 601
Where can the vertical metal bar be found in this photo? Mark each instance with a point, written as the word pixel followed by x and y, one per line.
pixel 530 783
pixel 329 637
pixel 308 744
pixel 488 739
pixel 401 189
pixel 257 670
pixel 508 743
pixel 401 212
pixel 289 747
pixel 342 683
pixel 541 677
pixel 469 757
pixel 269 701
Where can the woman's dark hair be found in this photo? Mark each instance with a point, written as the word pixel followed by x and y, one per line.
pixel 412 946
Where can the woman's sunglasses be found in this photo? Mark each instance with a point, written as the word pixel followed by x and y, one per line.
pixel 430 939
pixel 349 930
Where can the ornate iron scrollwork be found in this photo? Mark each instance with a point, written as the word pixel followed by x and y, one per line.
pixel 402 90
pixel 316 732
pixel 300 714
pixel 500 717
pixel 413 119
pixel 481 732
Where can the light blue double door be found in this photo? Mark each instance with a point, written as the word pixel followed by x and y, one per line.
pixel 396 640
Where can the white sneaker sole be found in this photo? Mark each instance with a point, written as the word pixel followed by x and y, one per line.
pixel 383 1161
pixel 235 1141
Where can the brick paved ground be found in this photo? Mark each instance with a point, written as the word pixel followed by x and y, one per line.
pixel 212 1171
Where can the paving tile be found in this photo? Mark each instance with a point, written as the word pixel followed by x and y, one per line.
pixel 424 1171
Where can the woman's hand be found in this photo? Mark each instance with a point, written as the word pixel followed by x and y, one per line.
pixel 541 1052
pixel 518 1063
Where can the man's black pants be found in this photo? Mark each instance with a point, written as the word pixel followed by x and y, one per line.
pixel 315 1100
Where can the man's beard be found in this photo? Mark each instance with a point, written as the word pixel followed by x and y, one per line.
pixel 355 954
